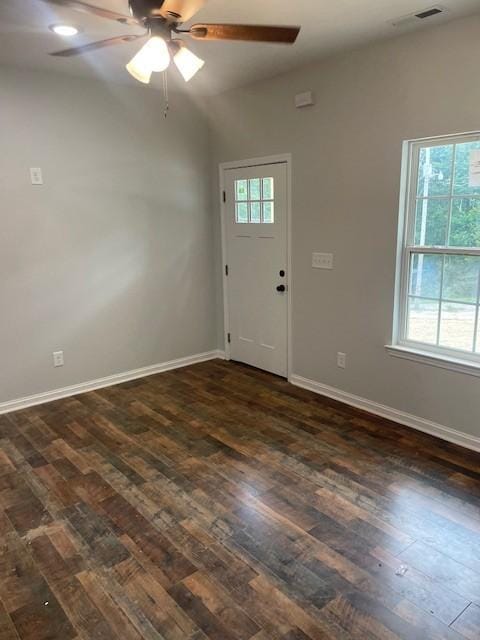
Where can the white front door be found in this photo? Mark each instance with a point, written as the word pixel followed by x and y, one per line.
pixel 256 251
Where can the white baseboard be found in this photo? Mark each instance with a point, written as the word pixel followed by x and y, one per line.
pixel 99 383
pixel 407 419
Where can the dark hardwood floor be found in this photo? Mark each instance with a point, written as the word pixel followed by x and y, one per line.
pixel 220 502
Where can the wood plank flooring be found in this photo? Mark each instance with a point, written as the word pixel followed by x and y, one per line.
pixel 220 502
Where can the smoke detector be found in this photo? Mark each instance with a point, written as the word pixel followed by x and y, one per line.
pixel 425 16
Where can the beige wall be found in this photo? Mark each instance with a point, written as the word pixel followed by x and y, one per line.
pixel 112 259
pixel 346 176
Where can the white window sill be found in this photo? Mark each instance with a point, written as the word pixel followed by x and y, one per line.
pixel 434 359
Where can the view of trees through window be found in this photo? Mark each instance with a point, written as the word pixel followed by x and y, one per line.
pixel 444 248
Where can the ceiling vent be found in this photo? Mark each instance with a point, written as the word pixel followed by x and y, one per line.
pixel 421 16
pixel 429 13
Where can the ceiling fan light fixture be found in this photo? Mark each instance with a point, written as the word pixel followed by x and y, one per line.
pixel 187 62
pixel 141 74
pixel 152 57
pixel 66 30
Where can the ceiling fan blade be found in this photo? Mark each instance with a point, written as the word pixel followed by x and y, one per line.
pixel 93 46
pixel 246 32
pixel 179 10
pixel 92 9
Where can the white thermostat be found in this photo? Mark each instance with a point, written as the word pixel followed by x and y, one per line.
pixel 304 99
pixel 36 176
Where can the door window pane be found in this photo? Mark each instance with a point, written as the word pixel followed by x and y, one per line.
pixel 267 188
pixel 255 212
pixel 254 189
pixel 268 212
pixel 422 320
pixel 241 190
pixel 241 212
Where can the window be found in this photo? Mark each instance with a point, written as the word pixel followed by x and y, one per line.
pixel 254 201
pixel 438 295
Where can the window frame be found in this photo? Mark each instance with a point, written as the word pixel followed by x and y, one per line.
pixel 261 201
pixel 447 357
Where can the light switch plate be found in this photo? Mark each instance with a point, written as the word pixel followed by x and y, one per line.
pixel 322 260
pixel 58 360
pixel 36 175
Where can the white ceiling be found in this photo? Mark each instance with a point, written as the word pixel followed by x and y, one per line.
pixel 327 26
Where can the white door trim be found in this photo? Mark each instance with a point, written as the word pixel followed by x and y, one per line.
pixel 283 158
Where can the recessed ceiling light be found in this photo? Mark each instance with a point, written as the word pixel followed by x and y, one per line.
pixel 64 29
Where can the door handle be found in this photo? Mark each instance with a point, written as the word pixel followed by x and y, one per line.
pixel 281 288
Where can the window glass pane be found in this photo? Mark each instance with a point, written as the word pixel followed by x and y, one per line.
pixel 268 188
pixel 254 189
pixel 431 222
pixel 460 278
pixel 435 171
pixel 457 324
pixel 422 320
pixel 241 212
pixel 426 275
pixel 442 301
pixel 461 185
pixel 255 215
pixel 268 212
pixel 241 190
pixel 465 224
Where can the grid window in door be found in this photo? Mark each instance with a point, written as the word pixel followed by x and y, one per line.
pixel 439 306
pixel 254 201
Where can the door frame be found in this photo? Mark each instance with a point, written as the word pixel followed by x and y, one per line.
pixel 283 158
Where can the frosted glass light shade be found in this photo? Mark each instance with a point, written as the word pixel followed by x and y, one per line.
pixel 153 56
pixel 187 63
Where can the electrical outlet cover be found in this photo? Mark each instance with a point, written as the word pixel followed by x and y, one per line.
pixel 341 360
pixel 322 260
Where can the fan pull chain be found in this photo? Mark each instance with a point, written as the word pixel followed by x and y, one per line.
pixel 165 93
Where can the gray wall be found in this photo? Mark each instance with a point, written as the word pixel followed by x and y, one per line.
pixel 112 259
pixel 346 177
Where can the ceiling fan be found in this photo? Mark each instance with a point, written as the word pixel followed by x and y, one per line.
pixel 162 20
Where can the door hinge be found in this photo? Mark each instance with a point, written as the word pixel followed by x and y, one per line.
pixel 226 269
pixel 224 195
pixel 229 338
